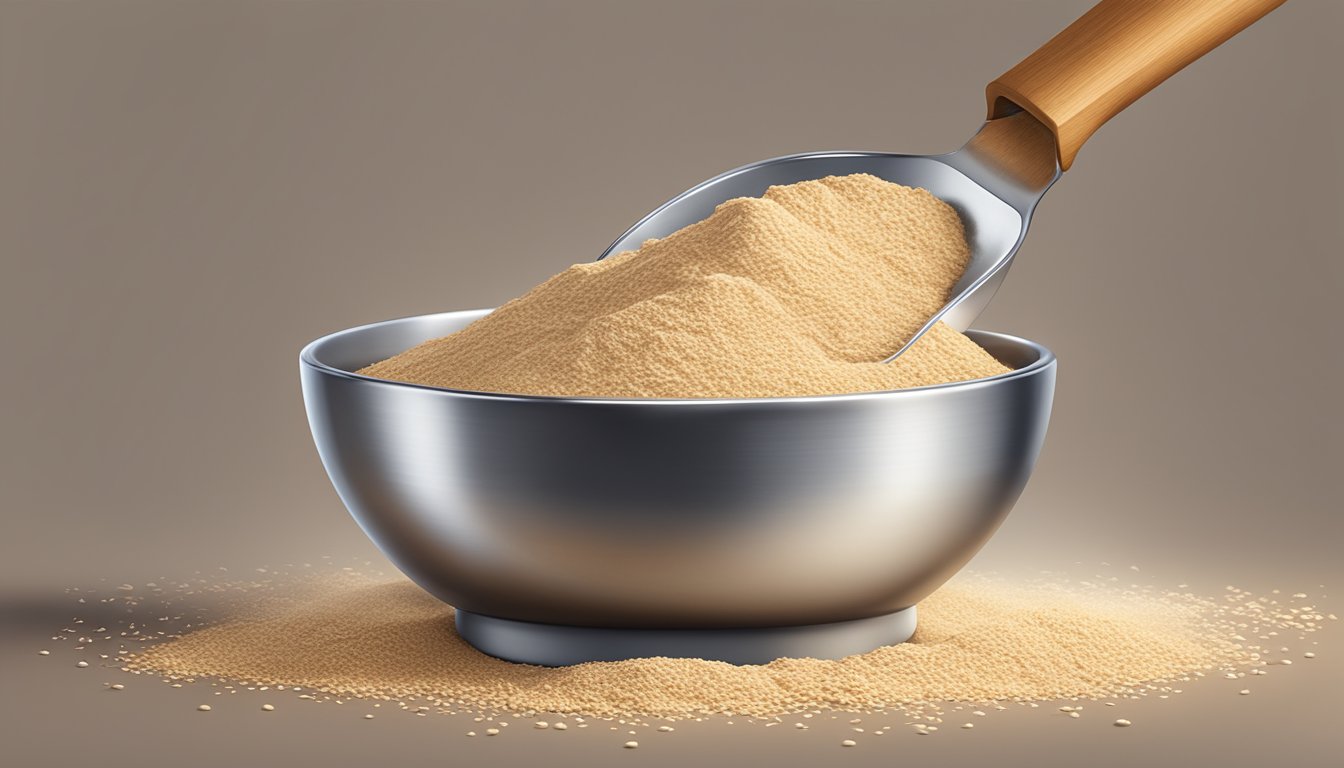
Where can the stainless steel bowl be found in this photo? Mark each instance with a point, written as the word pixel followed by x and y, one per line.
pixel 571 529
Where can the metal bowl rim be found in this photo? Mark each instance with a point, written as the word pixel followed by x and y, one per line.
pixel 308 356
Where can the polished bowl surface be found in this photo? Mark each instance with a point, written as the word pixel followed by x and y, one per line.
pixel 673 514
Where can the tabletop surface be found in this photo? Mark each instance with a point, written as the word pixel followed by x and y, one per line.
pixel 55 713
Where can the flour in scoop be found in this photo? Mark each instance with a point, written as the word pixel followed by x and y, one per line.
pixel 804 291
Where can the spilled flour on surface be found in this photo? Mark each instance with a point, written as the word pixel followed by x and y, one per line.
pixel 979 640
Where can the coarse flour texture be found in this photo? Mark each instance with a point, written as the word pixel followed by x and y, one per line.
pixel 803 291
pixel 350 635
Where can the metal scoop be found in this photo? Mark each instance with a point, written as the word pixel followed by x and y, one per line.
pixel 1040 113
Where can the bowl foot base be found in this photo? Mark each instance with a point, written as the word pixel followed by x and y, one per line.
pixel 554 645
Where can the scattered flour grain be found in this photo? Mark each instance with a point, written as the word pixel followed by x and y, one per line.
pixel 979 640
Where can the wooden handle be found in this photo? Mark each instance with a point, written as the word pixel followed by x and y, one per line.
pixel 1115 53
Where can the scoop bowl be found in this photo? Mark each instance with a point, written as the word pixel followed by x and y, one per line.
pixel 993 182
pixel 567 530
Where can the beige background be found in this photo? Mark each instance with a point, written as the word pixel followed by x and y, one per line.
pixel 190 191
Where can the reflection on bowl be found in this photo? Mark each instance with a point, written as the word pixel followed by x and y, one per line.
pixel 572 529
